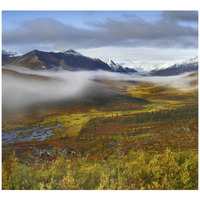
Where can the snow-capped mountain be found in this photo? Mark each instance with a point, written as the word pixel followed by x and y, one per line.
pixel 9 54
pixel 169 65
pixel 164 66
pixel 177 68
pixel 119 68
pixel 68 60
pixel 72 52
pixel 111 64
pixel 114 66
pixel 191 61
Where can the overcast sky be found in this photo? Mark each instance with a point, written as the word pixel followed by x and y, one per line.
pixel 138 39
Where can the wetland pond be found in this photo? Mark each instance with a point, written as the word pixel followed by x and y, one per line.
pixel 25 134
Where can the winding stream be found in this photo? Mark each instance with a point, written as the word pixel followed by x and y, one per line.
pixel 39 133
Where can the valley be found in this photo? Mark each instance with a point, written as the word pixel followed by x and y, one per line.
pixel 100 100
pixel 112 134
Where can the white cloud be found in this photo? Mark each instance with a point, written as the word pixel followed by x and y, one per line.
pixel 135 42
pixel 19 92
pixel 140 58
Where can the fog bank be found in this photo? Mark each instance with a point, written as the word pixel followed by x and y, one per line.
pixel 19 91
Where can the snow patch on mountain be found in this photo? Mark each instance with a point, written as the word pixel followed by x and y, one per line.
pixel 119 68
pixel 7 53
pixel 112 64
pixel 72 52
pixel 165 66
pixel 191 61
pixel 176 65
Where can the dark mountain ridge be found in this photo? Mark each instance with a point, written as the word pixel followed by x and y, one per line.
pixel 119 68
pixel 69 60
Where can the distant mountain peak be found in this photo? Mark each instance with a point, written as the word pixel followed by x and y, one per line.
pixel 119 68
pixel 7 53
pixel 109 61
pixel 68 60
pixel 177 68
pixel 174 65
pixel 72 52
pixel 112 64
pixel 191 60
pixel 35 52
pixel 165 66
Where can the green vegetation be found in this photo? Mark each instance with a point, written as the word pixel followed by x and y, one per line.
pixel 135 170
pixel 110 145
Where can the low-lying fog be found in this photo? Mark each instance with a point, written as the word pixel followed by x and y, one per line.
pixel 48 86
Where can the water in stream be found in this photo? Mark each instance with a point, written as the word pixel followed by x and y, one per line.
pixel 38 133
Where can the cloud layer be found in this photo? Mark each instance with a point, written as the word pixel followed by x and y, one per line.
pixel 172 29
pixel 20 92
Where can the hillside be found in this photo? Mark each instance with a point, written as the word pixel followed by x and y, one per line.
pixel 69 60
pixel 119 135
pixel 177 68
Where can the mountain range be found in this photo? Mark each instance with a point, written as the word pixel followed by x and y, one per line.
pixel 74 61
pixel 177 68
pixel 69 60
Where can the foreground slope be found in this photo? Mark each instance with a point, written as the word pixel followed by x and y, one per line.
pixel 124 135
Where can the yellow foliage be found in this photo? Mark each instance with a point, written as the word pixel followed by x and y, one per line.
pixel 136 170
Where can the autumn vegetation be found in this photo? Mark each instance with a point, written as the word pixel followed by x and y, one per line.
pixel 150 144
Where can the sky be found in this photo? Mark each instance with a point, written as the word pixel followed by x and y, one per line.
pixel 142 40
